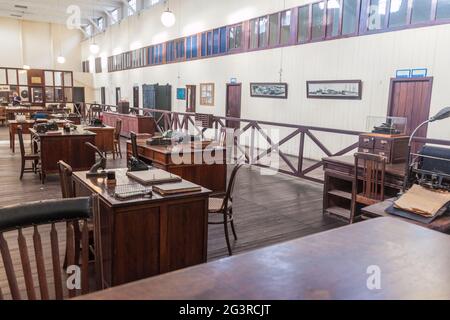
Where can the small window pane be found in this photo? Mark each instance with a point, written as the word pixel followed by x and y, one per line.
pixel 68 95
pixel 210 41
pixel 2 76
pixel 59 96
pixel 421 11
pixel 238 34
pixel 333 15
pixel 23 77
pixel 274 25
pixel 285 27
pixel 318 10
pixel 263 23
pixel 12 76
pixel 253 34
pixel 377 14
pixel 303 24
pixel 443 9
pixel 398 12
pixel 231 38
pixel 58 78
pixel 49 94
pixel 204 44
pixel 188 48
pixel 194 47
pixel 68 77
pixel 216 42
pixel 350 17
pixel 223 40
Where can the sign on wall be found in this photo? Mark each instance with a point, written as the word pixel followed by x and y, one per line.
pixel 5 88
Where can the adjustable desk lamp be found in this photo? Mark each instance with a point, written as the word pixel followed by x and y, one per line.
pixel 441 115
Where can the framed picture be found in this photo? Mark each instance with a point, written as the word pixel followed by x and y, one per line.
pixel 207 94
pixel 335 89
pixel 181 94
pixel 269 90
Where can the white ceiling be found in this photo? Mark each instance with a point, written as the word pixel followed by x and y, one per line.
pixel 55 10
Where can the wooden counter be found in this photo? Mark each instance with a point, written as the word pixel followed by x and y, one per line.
pixel 137 124
pixel 194 166
pixel 145 237
pixel 69 147
pixel 104 138
pixel 414 264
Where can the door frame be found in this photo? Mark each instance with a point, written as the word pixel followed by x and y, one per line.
pixel 228 85
pixel 191 88
pixel 422 79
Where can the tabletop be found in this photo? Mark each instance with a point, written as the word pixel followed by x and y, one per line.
pixel 100 186
pixel 62 133
pixel 409 261
pixel 397 169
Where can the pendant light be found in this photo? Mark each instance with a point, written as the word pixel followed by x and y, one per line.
pixel 94 48
pixel 60 59
pixel 168 18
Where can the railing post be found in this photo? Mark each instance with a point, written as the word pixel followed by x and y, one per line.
pixel 301 154
pixel 252 144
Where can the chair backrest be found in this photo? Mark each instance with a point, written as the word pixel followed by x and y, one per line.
pixel 21 144
pixel 118 129
pixel 230 187
pixel 65 178
pixel 372 175
pixel 2 111
pixel 36 225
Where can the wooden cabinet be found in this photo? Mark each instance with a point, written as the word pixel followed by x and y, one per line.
pixel 135 123
pixel 392 147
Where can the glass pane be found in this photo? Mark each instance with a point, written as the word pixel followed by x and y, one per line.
pixel 421 11
pixel 24 94
pixel 443 9
pixel 210 41
pixel 223 39
pixel 194 47
pixel 398 12
pixel 285 27
pixel 263 32
pixel 58 78
pixel 59 95
pixel 238 36
pixel 216 41
pixel 49 94
pixel 333 18
pixel 231 39
pixel 12 76
pixel 318 10
pixel 204 44
pixel 274 25
pixel 377 14
pixel 68 78
pixel 303 24
pixel 350 16
pixel 2 76
pixel 23 77
pixel 37 95
pixel 68 95
pixel 253 34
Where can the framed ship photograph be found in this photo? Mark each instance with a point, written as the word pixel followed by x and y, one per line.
pixel 269 90
pixel 334 89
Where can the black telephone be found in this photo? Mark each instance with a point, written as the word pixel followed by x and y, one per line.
pixel 47 126
pixel 96 123
pixel 135 164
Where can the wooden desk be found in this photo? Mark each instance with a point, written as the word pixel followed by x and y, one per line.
pixel 211 176
pixel 104 138
pixel 11 111
pixel 337 191
pixel 69 147
pixel 146 237
pixel 26 126
pixel 414 264
pixel 130 122
pixel 441 224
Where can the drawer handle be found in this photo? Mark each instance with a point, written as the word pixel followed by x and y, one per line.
pixel 384 142
pixel 366 140
pixel 366 150
pixel 382 154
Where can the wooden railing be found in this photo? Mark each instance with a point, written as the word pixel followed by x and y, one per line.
pixel 167 120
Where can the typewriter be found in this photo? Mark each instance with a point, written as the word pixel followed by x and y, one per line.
pixel 430 168
pixel 46 126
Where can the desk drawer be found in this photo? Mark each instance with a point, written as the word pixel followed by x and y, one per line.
pixel 365 150
pixel 384 153
pixel 383 144
pixel 366 142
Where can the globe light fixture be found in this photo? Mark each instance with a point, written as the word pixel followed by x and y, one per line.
pixel 94 48
pixel 61 59
pixel 168 18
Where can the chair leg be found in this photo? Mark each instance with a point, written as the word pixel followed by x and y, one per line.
pixel 227 236
pixel 114 151
pixel 233 229
pixel 22 169
pixel 120 150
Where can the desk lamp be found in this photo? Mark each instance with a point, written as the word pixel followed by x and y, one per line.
pixel 441 115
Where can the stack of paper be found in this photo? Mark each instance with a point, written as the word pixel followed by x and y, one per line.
pixel 153 176
pixel 422 201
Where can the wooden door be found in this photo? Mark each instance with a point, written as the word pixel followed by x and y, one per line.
pixel 233 104
pixel 103 95
pixel 191 92
pixel 410 98
pixel 135 97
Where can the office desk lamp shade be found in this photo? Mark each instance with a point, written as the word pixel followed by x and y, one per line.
pixel 441 115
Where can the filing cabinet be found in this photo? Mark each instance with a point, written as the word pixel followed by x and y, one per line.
pixel 393 147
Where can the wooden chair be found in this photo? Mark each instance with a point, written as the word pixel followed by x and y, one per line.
pixel 372 176
pixel 43 219
pixel 34 157
pixel 223 207
pixel 3 115
pixel 65 179
pixel 117 131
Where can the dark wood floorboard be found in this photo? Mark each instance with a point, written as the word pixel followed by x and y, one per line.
pixel 268 209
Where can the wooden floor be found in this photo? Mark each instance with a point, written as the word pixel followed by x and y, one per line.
pixel 268 209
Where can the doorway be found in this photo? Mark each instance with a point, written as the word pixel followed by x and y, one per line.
pixel 136 97
pixel 191 91
pixel 78 95
pixel 118 96
pixel 411 98
pixel 233 104
pixel 103 95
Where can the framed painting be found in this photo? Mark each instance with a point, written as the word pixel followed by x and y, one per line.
pixel 181 94
pixel 334 89
pixel 207 94
pixel 269 90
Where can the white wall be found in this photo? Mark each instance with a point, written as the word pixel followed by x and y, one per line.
pixel 373 59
